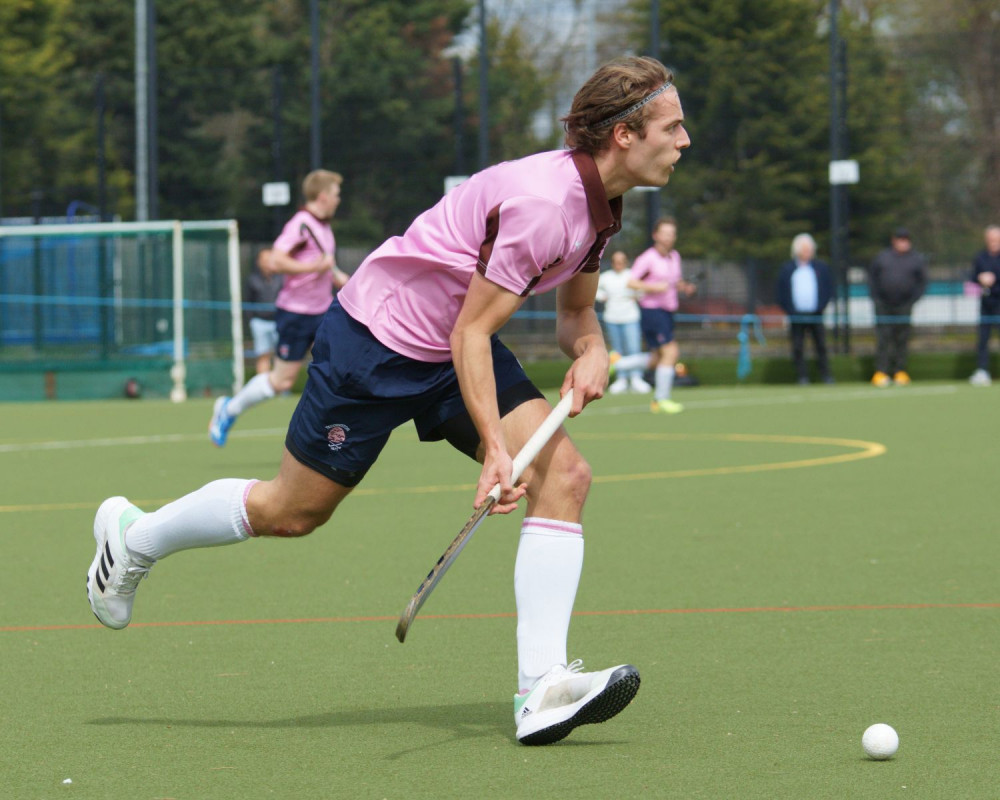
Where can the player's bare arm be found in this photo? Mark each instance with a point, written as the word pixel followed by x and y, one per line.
pixel 687 288
pixel 285 264
pixel 486 309
pixel 650 287
pixel 339 277
pixel 580 337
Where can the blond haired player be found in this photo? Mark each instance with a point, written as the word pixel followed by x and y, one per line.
pixel 304 254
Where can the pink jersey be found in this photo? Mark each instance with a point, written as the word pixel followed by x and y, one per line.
pixel 651 267
pixel 307 292
pixel 527 226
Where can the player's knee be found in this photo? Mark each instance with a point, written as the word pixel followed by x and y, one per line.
pixel 282 383
pixel 569 476
pixel 298 522
pixel 579 478
pixel 289 521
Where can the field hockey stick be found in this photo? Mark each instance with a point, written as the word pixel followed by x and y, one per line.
pixel 304 228
pixel 528 453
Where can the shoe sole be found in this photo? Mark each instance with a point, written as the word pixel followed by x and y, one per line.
pixel 618 693
pixel 108 512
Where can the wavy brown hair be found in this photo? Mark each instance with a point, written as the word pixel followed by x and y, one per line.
pixel 615 87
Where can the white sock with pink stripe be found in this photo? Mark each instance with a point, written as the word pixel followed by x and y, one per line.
pixel 546 574
pixel 214 515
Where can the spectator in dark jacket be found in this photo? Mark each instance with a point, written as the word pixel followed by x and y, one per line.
pixel 805 287
pixel 897 278
pixel 986 272
pixel 263 285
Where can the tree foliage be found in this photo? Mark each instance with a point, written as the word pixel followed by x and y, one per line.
pixel 387 104
pixel 754 80
pixel 923 109
pixel 949 57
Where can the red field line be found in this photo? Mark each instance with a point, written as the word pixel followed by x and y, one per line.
pixel 613 613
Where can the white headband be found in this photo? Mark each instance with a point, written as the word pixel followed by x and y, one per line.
pixel 633 108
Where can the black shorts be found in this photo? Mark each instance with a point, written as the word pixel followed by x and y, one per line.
pixel 657 326
pixel 296 333
pixel 359 391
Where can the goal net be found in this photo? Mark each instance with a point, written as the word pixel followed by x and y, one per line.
pixel 160 300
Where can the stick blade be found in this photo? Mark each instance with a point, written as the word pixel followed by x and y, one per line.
pixel 439 569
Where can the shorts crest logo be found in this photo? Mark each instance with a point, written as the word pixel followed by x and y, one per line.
pixel 336 436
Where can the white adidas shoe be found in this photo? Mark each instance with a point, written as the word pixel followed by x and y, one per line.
pixel 567 697
pixel 114 572
pixel 981 378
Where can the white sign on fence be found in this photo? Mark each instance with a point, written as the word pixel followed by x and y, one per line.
pixel 844 172
pixel 277 194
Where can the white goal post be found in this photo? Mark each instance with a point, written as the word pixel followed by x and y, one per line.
pixel 180 304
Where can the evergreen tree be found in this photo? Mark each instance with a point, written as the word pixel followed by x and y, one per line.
pixel 30 64
pixel 753 76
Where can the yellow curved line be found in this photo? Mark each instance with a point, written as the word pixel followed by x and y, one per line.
pixel 863 450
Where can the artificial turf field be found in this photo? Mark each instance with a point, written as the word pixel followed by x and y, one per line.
pixel 785 566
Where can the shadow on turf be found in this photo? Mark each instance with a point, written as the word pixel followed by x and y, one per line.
pixel 464 721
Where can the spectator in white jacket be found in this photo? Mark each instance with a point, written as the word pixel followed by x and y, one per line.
pixel 621 320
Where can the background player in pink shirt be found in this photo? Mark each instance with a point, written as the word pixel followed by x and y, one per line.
pixel 413 337
pixel 304 253
pixel 657 273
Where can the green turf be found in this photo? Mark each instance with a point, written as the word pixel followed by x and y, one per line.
pixel 789 594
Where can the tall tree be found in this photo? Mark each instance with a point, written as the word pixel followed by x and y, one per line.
pixel 754 81
pixel 951 56
pixel 30 64
pixel 387 104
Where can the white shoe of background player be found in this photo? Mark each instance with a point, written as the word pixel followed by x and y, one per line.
pixel 639 386
pixel 980 378
pixel 566 697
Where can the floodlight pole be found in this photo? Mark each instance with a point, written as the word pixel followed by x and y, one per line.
pixel 146 188
pixel 653 198
pixel 459 117
pixel 484 91
pixel 277 101
pixel 838 190
pixel 314 137
pixel 141 113
pixel 152 110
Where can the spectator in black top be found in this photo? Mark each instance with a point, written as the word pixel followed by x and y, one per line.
pixel 897 278
pixel 986 272
pixel 263 285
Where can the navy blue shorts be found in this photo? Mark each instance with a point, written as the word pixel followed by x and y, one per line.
pixel 359 390
pixel 657 326
pixel 296 333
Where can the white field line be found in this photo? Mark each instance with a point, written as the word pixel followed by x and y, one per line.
pixel 818 396
pixel 126 441
pixel 721 401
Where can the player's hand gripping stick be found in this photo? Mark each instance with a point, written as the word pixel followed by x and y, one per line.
pixel 527 454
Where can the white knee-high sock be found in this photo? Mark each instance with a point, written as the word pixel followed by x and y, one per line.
pixel 546 574
pixel 213 515
pixel 257 390
pixel 664 382
pixel 637 361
